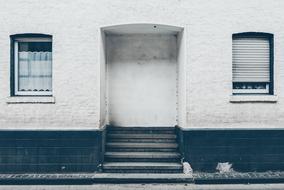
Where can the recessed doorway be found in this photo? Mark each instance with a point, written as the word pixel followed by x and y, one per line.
pixel 141 75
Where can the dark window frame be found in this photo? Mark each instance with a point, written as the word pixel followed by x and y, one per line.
pixel 270 38
pixel 13 38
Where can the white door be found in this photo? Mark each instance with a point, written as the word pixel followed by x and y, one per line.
pixel 142 80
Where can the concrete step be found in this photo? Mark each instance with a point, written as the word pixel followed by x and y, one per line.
pixel 155 140
pixel 142 171
pixel 142 167
pixel 141 145
pixel 109 149
pixel 142 156
pixel 161 128
pixel 141 131
pixel 146 171
pixel 143 178
pixel 109 159
pixel 142 136
pixel 142 150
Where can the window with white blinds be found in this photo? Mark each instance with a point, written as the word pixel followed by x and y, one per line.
pixel 251 65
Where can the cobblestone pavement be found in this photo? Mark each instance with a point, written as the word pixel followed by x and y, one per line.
pixel 237 177
pixel 246 175
pixel 146 187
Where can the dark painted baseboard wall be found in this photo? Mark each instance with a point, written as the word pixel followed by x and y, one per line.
pixel 51 151
pixel 83 151
pixel 247 150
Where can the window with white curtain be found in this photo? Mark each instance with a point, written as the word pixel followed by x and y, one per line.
pixel 32 66
pixel 252 63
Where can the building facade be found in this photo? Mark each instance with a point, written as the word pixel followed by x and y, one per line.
pixel 211 69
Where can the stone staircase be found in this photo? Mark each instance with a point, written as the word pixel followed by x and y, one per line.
pixel 142 150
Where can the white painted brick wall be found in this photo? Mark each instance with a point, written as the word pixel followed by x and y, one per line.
pixel 75 26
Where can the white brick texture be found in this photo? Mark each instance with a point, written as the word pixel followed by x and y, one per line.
pixel 75 27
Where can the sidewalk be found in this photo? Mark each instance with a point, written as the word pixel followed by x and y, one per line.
pixel 142 178
pixel 146 187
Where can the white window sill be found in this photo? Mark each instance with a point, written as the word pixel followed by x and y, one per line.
pixel 30 100
pixel 253 98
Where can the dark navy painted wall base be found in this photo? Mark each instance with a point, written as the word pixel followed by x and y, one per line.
pixel 50 151
pixel 83 151
pixel 247 150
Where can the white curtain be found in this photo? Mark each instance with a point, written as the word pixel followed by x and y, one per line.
pixel 35 71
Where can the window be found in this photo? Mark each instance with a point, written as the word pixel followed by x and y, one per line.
pixel 252 63
pixel 32 65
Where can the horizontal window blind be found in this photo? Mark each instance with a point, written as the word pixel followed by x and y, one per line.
pixel 251 59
